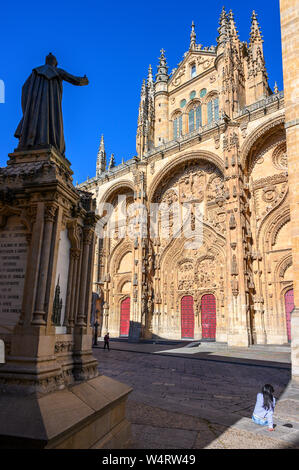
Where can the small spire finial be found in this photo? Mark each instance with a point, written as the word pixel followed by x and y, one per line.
pixel 255 32
pixel 162 73
pixel 223 27
pixel 102 145
pixel 150 74
pixel 232 25
pixel 276 90
pixel 101 158
pixel 192 37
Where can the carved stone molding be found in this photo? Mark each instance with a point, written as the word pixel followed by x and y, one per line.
pixel 279 157
pixel 262 130
pixel 50 212
pixel 63 347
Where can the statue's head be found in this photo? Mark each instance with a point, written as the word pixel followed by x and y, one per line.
pixel 51 60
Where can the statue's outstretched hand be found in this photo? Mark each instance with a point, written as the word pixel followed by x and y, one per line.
pixel 84 80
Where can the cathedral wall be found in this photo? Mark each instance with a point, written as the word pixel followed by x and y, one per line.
pixel 204 271
pixel 234 165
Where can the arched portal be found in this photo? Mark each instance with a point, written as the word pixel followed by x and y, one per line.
pixel 208 316
pixel 125 317
pixel 289 305
pixel 187 317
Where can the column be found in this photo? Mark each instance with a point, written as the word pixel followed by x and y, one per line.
pixel 239 330
pixel 39 313
pixel 87 238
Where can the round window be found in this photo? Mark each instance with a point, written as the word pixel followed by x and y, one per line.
pixel 203 92
pixel 192 95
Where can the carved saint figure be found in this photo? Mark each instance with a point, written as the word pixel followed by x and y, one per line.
pixel 42 123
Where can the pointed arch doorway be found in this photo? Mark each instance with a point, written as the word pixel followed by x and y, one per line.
pixel 187 317
pixel 208 316
pixel 125 317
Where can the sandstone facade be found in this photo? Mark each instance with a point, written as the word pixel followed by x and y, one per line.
pixel 290 48
pixel 210 134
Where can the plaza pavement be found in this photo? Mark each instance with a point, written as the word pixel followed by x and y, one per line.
pixel 195 396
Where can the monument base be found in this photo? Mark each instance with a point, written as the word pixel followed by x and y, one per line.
pixel 89 415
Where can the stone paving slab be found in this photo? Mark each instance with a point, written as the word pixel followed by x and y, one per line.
pixel 238 439
pixel 162 438
pixel 288 409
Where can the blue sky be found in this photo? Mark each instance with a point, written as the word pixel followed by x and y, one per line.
pixel 112 43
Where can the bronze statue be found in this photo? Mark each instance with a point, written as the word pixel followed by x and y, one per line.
pixel 42 123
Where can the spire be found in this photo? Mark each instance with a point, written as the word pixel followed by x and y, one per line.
pixel 192 37
pixel 276 90
pixel 223 29
pixel 256 54
pixel 143 91
pixel 151 95
pixel 256 61
pixel 101 158
pixel 233 32
pixel 150 82
pixel 255 32
pixel 143 104
pixel 112 162
pixel 162 74
pixel 150 79
pixel 102 145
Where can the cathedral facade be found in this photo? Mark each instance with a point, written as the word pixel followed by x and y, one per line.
pixel 210 135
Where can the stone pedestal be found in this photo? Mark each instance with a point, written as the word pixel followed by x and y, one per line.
pixel 84 416
pixel 51 392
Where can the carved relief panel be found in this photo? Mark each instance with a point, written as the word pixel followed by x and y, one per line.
pixel 188 185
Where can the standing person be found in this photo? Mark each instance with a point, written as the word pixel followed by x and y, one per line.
pixel 106 341
pixel 264 407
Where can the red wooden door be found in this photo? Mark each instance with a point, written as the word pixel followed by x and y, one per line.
pixel 187 317
pixel 125 317
pixel 208 316
pixel 289 305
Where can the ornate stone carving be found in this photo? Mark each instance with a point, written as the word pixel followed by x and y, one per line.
pixel 279 157
pixel 176 81
pixel 50 212
pixel 269 194
pixel 63 347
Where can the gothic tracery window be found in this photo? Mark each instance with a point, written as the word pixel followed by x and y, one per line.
pixel 177 126
pixel 213 109
pixel 195 117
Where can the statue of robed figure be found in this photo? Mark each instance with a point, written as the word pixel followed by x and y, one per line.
pixel 42 125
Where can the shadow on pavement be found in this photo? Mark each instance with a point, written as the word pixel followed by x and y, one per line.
pixel 195 401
